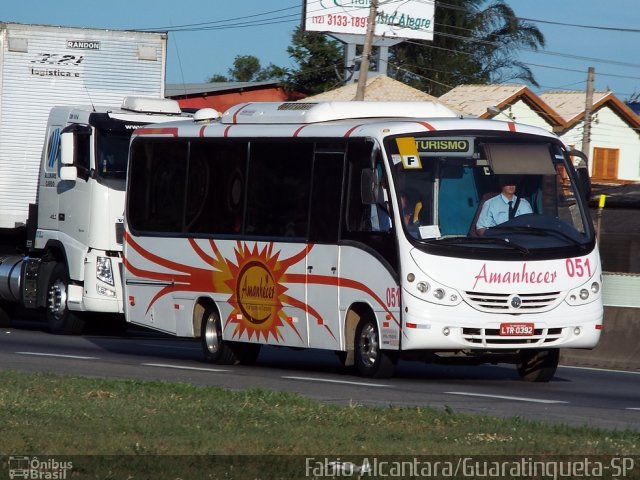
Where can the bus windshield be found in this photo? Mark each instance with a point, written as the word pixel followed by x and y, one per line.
pixel 474 192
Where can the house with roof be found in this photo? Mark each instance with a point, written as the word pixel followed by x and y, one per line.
pixel 222 95
pixel 614 151
pixel 614 146
pixel 508 102
pixel 378 88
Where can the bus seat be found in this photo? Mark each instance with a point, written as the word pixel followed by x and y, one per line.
pixel 472 227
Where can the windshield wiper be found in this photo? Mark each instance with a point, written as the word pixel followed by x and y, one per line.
pixel 480 240
pixel 542 232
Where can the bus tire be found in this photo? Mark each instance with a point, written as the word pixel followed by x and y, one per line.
pixel 538 365
pixel 370 360
pixel 60 319
pixel 246 353
pixel 214 349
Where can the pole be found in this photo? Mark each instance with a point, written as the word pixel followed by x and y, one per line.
pixel 599 215
pixel 366 51
pixel 586 131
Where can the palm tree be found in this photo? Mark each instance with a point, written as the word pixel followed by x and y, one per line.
pixel 471 45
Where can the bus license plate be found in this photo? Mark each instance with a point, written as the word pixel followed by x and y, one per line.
pixel 516 329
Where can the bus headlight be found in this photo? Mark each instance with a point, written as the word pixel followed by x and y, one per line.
pixel 585 293
pixel 429 290
pixel 104 272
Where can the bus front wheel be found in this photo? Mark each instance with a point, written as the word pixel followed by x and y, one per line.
pixel 538 365
pixel 371 361
pixel 215 349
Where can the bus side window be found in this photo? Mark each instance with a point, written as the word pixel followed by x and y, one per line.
pixel 278 188
pixel 365 217
pixel 157 186
pixel 215 195
pixel 326 197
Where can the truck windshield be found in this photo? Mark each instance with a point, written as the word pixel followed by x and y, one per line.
pixel 488 194
pixel 112 149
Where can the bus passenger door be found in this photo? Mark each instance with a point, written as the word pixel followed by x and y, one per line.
pixel 322 260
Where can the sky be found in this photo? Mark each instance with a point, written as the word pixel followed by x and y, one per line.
pixel 214 36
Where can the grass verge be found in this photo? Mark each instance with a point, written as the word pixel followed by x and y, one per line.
pixel 47 414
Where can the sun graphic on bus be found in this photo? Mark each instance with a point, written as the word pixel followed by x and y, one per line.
pixel 255 281
pixel 258 291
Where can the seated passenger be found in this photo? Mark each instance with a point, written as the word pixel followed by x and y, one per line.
pixel 502 207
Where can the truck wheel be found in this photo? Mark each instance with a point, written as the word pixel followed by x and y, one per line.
pixel 538 365
pixel 371 361
pixel 215 349
pixel 60 319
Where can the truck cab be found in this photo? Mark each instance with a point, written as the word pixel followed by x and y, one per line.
pixel 75 228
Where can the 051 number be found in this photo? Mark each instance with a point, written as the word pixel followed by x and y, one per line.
pixel 578 267
pixel 393 297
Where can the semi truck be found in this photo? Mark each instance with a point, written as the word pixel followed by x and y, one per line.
pixel 69 100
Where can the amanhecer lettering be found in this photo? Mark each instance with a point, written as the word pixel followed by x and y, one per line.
pixel 519 276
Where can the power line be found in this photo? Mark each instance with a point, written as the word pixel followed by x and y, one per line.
pixel 189 27
pixel 279 16
pixel 576 25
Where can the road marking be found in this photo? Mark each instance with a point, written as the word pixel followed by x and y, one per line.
pixel 180 367
pixel 326 380
pixel 600 369
pixel 632 408
pixel 41 354
pixel 504 397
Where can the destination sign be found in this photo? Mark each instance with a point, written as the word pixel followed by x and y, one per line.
pixel 444 147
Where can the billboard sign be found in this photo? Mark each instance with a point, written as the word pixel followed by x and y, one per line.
pixel 394 19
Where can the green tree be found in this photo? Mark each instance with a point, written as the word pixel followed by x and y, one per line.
pixel 471 45
pixel 247 68
pixel 320 62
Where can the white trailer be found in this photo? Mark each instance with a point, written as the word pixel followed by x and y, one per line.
pixel 63 162
pixel 43 66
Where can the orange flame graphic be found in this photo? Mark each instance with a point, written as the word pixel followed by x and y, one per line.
pixel 255 281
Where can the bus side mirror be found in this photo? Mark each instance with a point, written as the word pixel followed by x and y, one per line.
pixel 582 169
pixel 368 187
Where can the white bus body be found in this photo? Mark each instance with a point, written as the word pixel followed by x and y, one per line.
pixel 282 224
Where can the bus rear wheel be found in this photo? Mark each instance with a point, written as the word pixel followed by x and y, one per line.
pixel 371 361
pixel 215 349
pixel 246 353
pixel 538 365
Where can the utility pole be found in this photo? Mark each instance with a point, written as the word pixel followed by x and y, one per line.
pixel 366 51
pixel 586 131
